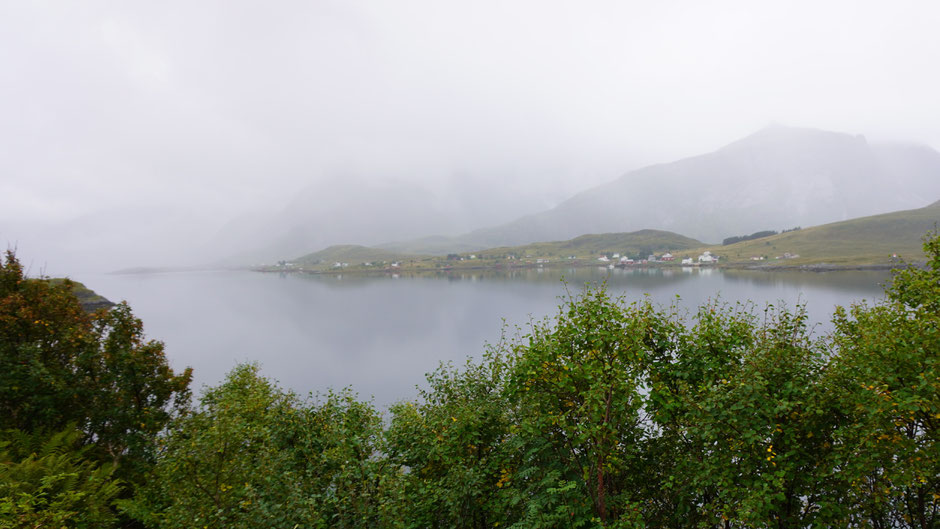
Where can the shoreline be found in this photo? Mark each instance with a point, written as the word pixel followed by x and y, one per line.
pixel 818 267
pixel 812 267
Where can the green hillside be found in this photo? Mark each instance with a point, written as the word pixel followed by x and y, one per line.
pixel 862 241
pixel 89 299
pixel 353 254
pixel 433 245
pixel 638 243
pixel 363 258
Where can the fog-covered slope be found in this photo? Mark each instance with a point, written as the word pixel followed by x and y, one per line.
pixel 352 210
pixel 777 178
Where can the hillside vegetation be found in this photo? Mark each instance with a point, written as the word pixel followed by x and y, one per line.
pixel 863 241
pixel 363 258
pixel 88 298
pixel 353 254
pixel 878 240
pixel 640 243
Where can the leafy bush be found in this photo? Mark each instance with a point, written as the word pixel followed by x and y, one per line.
pixel 253 455
pixel 453 443
pixel 48 481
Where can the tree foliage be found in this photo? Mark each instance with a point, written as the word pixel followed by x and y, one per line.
pixel 61 366
pixel 887 377
pixel 577 382
pixel 48 481
pixel 253 455
pixel 751 237
pixel 454 444
pixel 609 414
pixel 93 376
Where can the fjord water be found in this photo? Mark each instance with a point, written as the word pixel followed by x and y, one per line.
pixel 380 334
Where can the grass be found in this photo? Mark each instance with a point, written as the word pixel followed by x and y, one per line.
pixel 89 299
pixel 351 253
pixel 635 244
pixel 856 242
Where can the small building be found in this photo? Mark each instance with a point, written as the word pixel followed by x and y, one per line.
pixel 616 256
pixel 707 258
pixel 687 261
pixel 667 257
pixel 603 259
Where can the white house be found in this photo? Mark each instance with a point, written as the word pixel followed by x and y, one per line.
pixel 707 258
pixel 616 256
pixel 687 261
pixel 603 259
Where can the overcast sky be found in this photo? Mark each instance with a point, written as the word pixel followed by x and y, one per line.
pixel 139 118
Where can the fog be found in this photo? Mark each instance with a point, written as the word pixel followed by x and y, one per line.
pixel 182 133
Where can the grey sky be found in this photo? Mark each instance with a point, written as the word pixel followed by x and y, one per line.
pixel 154 123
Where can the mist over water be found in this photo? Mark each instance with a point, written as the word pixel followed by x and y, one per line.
pixel 173 134
pixel 380 334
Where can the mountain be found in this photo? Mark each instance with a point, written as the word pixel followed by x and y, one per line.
pixel 866 240
pixel 870 240
pixel 369 211
pixel 777 178
pixel 344 210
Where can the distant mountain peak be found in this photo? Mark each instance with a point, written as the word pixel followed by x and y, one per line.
pixel 797 137
pixel 776 178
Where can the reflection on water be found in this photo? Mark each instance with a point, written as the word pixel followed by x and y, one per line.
pixel 381 333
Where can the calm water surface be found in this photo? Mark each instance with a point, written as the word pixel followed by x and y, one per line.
pixel 381 334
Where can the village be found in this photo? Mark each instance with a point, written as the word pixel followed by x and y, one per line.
pixel 360 259
pixel 617 260
pixel 489 261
